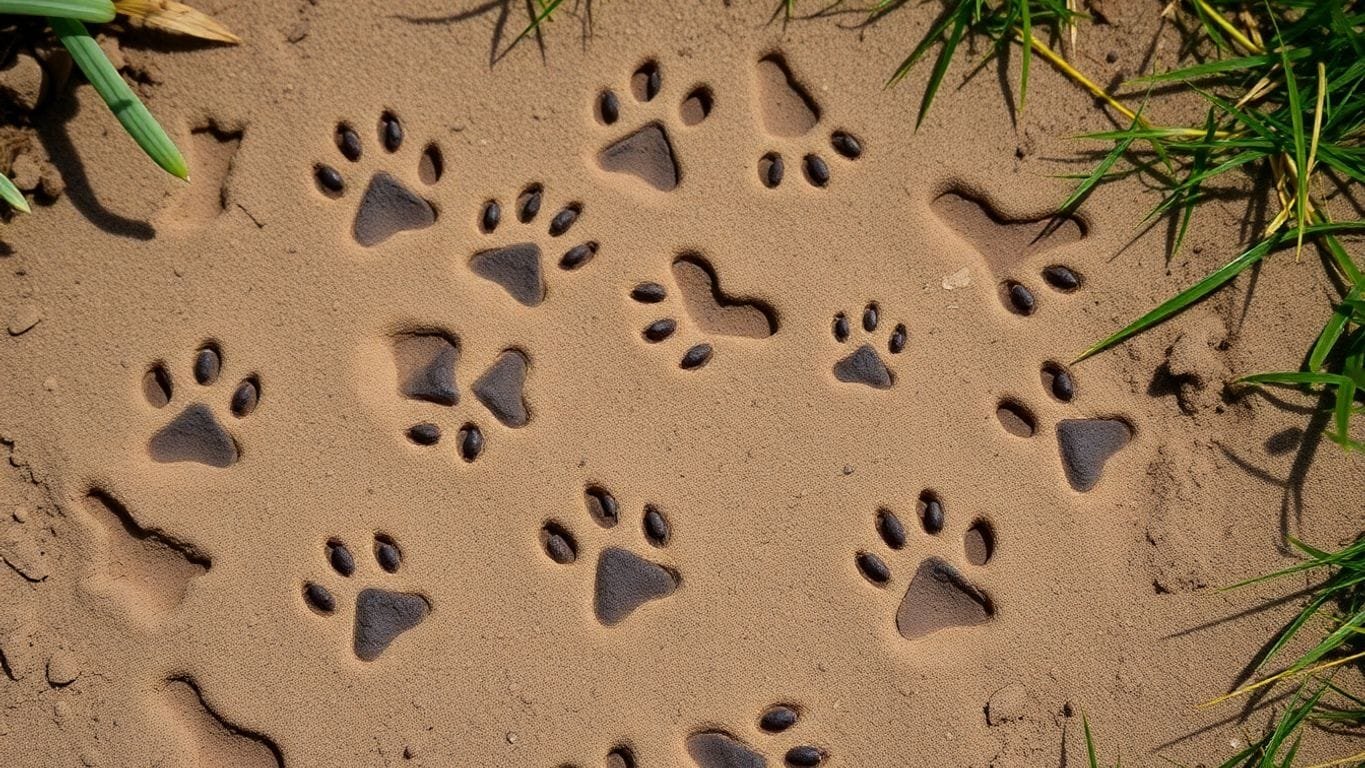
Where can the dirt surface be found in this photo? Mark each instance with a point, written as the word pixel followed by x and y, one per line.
pixel 651 393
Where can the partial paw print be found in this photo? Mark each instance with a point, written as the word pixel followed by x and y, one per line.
pixel 722 749
pixel 1004 244
pixel 381 615
pixel 791 118
pixel 515 266
pixel 427 363
pixel 624 580
pixel 647 152
pixel 1085 445
pixel 388 205
pixel 939 595
pixel 697 298
pixel 197 434
pixel 865 365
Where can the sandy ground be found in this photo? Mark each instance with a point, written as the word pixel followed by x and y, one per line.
pixel 310 464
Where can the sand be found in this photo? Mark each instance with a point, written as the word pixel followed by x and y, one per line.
pixel 654 395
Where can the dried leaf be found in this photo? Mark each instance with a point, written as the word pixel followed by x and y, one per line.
pixel 173 16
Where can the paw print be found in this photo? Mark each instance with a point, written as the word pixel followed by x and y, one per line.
pixel 702 303
pixel 1085 445
pixel 516 266
pixel 791 117
pixel 865 365
pixel 389 205
pixel 426 363
pixel 1021 300
pixel 720 749
pixel 939 596
pixel 625 581
pixel 197 433
pixel 381 615
pixel 647 151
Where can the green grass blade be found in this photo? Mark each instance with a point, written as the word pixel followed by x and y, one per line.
pixel 1089 744
pixel 1300 144
pixel 546 10
pixel 93 11
pixel 11 194
pixel 1084 189
pixel 1026 39
pixel 1332 331
pixel 131 112
pixel 945 55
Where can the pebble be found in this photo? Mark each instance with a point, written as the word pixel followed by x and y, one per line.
pixel 656 526
pixel 318 597
pixel 609 106
pixel 578 255
pixel 873 568
pixel 778 718
pixel 340 557
pixel 562 221
pixel 696 357
pixel 23 319
pixel 817 171
pixel 348 142
pixel 387 554
pixel 660 329
pixel 847 145
pixel 492 214
pixel 841 327
pixel 471 442
pixel 424 434
pixel 649 293
pixel 1061 278
pixel 392 132
pixel 891 529
pixel 773 176
pixel 933 514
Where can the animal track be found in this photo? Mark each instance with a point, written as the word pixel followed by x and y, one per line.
pixel 1004 244
pixel 1085 445
pixel 647 152
pixel 381 615
pixel 711 311
pixel 196 434
pixel 938 596
pixel 516 266
pixel 149 568
pixel 865 365
pixel 721 749
pixel 426 362
pixel 624 581
pixel 790 116
pixel 389 205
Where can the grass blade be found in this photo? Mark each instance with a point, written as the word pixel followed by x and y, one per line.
pixel 546 9
pixel 1026 41
pixel 93 11
pixel 172 16
pixel 945 55
pixel 131 112
pixel 11 194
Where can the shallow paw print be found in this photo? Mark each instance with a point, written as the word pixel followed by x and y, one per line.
pixel 792 119
pixel 624 580
pixel 381 615
pixel 865 364
pixel 939 595
pixel 516 266
pixel 647 152
pixel 426 363
pixel 697 299
pixel 388 206
pixel 197 434
pixel 1085 445
pixel 723 749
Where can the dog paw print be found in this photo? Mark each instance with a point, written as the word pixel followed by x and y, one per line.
pixel 865 365
pixel 388 205
pixel 696 299
pixel 516 266
pixel 722 749
pixel 197 433
pixel 427 363
pixel 647 152
pixel 381 615
pixel 625 580
pixel 1085 445
pixel 791 118
pixel 939 595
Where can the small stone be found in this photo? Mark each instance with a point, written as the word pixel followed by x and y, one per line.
pixel 778 718
pixel 959 279
pixel 62 668
pixel 20 514
pixel 1007 705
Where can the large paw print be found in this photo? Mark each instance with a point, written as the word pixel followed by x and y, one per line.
pixel 389 205
pixel 939 596
pixel 721 749
pixel 515 266
pixel 625 581
pixel 791 117
pixel 426 363
pixel 381 615
pixel 1085 445
pixel 864 365
pixel 647 152
pixel 709 310
pixel 197 433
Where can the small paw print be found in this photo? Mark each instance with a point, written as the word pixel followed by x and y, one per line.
pixel 515 266
pixel 790 115
pixel 722 749
pixel 938 596
pixel 865 365
pixel 624 580
pixel 388 206
pixel 647 152
pixel 381 615
pixel 197 433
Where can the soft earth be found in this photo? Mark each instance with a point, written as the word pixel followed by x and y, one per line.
pixel 648 393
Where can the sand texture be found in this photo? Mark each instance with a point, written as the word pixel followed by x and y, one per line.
pixel 653 395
